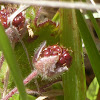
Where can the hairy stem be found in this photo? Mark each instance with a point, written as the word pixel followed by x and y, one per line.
pixel 1 60
pixel 26 81
pixel 6 82
pixel 42 89
pixel 37 15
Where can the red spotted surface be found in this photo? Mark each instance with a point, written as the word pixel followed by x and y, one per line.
pixel 18 21
pixel 64 56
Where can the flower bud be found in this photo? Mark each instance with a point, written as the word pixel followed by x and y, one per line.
pixel 52 60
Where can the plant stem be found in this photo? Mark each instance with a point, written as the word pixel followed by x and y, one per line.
pixel 1 60
pixel 37 15
pixel 43 88
pixel 6 78
pixel 26 81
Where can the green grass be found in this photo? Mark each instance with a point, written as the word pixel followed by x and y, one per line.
pixel 5 46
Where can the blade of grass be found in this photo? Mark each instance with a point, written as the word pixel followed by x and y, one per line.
pixel 74 79
pixel 94 22
pixel 10 58
pixel 90 46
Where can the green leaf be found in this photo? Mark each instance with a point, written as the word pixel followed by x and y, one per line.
pixel 93 90
pixel 94 22
pixel 31 97
pixel 30 13
pixel 10 58
pixel 90 46
pixel 15 97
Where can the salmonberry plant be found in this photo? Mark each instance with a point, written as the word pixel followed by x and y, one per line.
pixel 43 59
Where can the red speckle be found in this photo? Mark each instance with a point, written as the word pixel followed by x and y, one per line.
pixel 64 56
pixel 46 52
pixel 61 60
pixel 12 92
pixel 18 21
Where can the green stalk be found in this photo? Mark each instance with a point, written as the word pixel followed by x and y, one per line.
pixel 5 46
pixel 74 79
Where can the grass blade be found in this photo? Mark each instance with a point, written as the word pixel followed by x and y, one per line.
pixel 10 58
pixel 90 46
pixel 93 20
